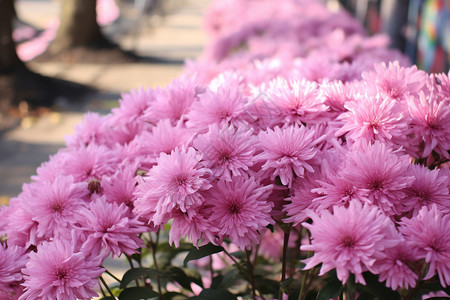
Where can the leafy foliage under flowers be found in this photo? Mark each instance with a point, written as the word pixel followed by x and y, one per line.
pixel 292 160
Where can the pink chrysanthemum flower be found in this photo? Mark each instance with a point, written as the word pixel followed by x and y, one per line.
pixel 133 105
pixel 12 260
pixel 347 240
pixel 381 174
pixel 120 187
pixel 172 102
pixel 195 228
pixel 430 120
pixel 57 271
pixel 394 266
pixel 374 118
pixel 92 130
pixel 163 138
pixel 395 81
pixel 429 187
pixel 226 150
pixel 336 94
pixel 427 232
pixel 295 102
pixel 91 162
pixel 301 198
pixel 175 182
pixel 288 152
pixel 55 205
pixel 223 106
pixel 109 229
pixel 240 210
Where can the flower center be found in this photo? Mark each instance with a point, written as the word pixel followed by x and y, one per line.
pixel 348 242
pixel 57 206
pixel 234 208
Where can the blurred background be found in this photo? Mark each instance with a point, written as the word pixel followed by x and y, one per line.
pixel 61 58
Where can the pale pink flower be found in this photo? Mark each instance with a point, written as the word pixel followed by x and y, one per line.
pixel 429 187
pixel 239 209
pixel 395 81
pixel 381 173
pixel 12 260
pixel 175 182
pixel 301 198
pixel 92 130
pixel 295 102
pixel 133 105
pixel 163 138
pixel 195 228
pixel 430 120
pixel 393 266
pixel 223 106
pixel 120 187
pixel 427 232
pixel 87 163
pixel 336 94
pixel 58 271
pixel 55 205
pixel 173 101
pixel 109 228
pixel 287 152
pixel 226 150
pixel 347 240
pixel 374 118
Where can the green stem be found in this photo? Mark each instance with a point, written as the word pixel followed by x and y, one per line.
pixel 111 274
pixel 287 232
pixel 250 271
pixel 302 289
pixel 242 270
pixel 107 287
pixel 130 261
pixel 154 246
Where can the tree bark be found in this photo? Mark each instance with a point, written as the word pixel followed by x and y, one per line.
pixel 9 60
pixel 78 27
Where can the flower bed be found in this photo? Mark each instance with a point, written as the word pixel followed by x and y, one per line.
pixel 291 160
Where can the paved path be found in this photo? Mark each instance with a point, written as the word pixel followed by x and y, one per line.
pixel 25 147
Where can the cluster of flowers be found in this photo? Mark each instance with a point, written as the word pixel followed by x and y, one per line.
pixel 359 149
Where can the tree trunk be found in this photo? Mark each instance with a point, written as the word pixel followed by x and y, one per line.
pixel 8 56
pixel 78 27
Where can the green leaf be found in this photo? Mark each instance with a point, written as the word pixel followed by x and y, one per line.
pixel 108 298
pixel 178 275
pixel 174 296
pixel 376 288
pixel 289 286
pixel 134 274
pixel 210 294
pixel 331 290
pixel 238 254
pixel 201 252
pixel 194 276
pixel 137 293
